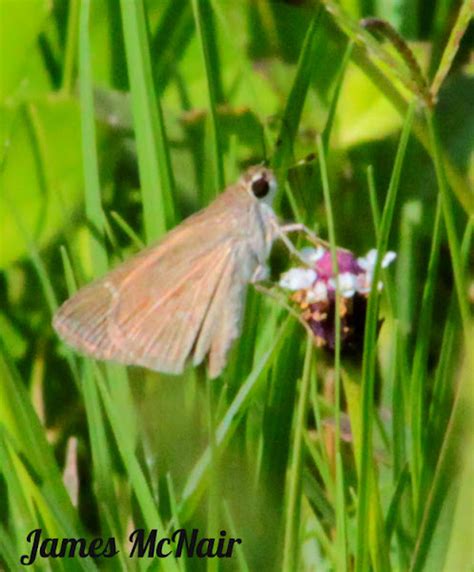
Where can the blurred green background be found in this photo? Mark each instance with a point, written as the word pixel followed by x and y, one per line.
pixel 118 119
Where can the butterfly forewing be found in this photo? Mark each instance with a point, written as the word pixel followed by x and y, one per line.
pixel 162 335
pixel 181 298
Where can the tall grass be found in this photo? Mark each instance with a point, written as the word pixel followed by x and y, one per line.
pixel 316 460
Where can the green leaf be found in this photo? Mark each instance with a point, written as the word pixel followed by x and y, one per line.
pixel 19 30
pixel 364 113
pixel 41 175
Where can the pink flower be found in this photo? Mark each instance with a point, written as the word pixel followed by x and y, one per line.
pixel 315 289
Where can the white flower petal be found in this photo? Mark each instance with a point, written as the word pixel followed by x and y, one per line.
pixel 363 283
pixel 388 258
pixel 362 262
pixel 312 255
pixel 347 283
pixel 298 278
pixel 368 261
pixel 318 293
pixel 347 280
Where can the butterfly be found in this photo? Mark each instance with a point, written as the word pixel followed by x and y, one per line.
pixel 181 299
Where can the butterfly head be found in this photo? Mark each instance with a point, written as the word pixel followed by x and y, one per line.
pixel 260 183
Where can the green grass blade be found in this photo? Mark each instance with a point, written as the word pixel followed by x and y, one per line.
pixel 127 229
pixel 68 271
pixel 94 211
pixel 317 492
pixel 394 506
pixel 42 499
pixel 465 15
pixel 226 428
pixel 210 62
pixel 448 215
pixel 19 416
pixel 275 429
pixel 173 500
pixel 443 381
pixel 214 492
pixel 45 282
pixel 335 98
pixel 139 484
pixel 365 459
pixel 323 465
pixel 294 105
pixel 443 374
pixel 340 508
pixel 46 286
pixel 8 549
pixel 293 500
pixel 374 206
pixel 446 482
pixel 17 497
pixel 242 562
pixel 170 40
pixel 20 420
pixel 97 433
pixel 375 540
pixel 100 449
pixel 156 177
pixel 400 372
pixel 420 359
pixel 69 62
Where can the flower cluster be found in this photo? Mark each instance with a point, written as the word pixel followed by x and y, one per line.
pixel 315 290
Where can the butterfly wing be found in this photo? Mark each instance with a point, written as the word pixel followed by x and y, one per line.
pixel 221 324
pixel 180 298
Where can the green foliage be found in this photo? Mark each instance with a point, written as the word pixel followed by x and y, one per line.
pixel 121 118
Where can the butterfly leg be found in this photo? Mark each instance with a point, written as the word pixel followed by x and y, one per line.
pixel 280 233
pixel 300 227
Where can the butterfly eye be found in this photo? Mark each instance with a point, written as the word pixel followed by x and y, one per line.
pixel 260 187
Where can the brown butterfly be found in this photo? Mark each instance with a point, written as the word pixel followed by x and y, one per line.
pixel 181 299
